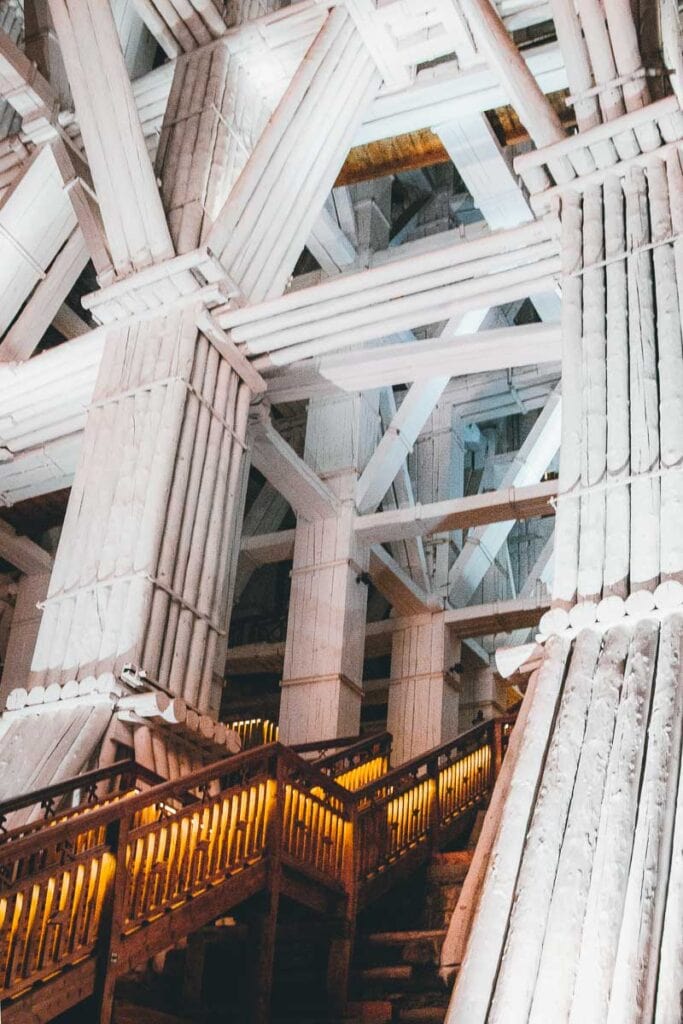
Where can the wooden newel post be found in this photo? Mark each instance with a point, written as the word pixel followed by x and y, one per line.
pixel 497 751
pixel 344 923
pixel 434 803
pixel 264 954
pixel 111 924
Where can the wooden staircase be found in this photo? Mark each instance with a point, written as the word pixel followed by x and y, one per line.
pixel 104 872
pixel 396 972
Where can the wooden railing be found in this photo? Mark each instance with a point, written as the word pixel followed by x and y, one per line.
pixel 117 879
pixel 255 732
pixel 359 763
pixel 29 812
pixel 401 815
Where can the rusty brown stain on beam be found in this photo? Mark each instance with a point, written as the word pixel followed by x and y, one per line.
pixel 414 150
pixel 407 152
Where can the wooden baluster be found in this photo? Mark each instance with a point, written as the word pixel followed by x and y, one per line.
pixel 112 921
pixel 434 803
pixel 264 953
pixel 344 925
pixel 496 750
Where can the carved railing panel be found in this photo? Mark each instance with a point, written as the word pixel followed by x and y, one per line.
pixel 51 919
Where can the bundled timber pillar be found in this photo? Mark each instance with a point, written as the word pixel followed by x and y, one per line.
pixel 323 670
pixel 621 485
pixel 143 569
pixel 31 590
pixel 575 918
pixel 423 687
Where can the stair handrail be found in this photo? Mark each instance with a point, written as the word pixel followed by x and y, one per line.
pixel 290 813
pixel 334 744
pixel 128 772
pixel 424 760
pixel 188 789
pixel 407 809
pixel 378 742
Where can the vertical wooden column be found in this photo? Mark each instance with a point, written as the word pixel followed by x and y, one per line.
pixel 620 489
pixel 143 567
pixel 423 692
pixel 23 632
pixel 438 471
pixel 323 670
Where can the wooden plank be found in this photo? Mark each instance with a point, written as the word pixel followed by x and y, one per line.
pixel 524 502
pixel 22 552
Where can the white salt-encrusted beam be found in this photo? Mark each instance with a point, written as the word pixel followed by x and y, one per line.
pixel 134 219
pixel 44 304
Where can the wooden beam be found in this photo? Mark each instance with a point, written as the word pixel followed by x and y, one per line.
pixel 69 323
pixel 22 552
pixel 497 617
pixel 397 442
pixel 328 243
pixel 397 586
pixel 523 502
pixel 44 305
pixel 416 284
pixel 266 548
pixel 289 474
pixel 409 553
pixel 24 88
pixel 414 411
pixel 129 199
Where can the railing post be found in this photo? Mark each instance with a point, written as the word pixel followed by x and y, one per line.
pixel 111 923
pixel 344 924
pixel 497 752
pixel 434 803
pixel 264 954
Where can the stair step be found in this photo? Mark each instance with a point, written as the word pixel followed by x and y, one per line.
pixel 372 1011
pixel 401 938
pixel 132 1013
pixel 422 1015
pixel 392 972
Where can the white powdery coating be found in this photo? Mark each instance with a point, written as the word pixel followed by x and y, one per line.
pixel 472 995
pixel 515 985
pixel 615 836
pixel 669 594
pixel 635 972
pixel 611 609
pixel 670 977
pixel 554 621
pixel 583 614
pixel 562 943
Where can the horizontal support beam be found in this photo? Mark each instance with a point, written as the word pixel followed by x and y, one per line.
pixel 459 513
pixel 403 363
pixel 417 284
pixel 464 623
pixel 421 520
pixel 498 617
